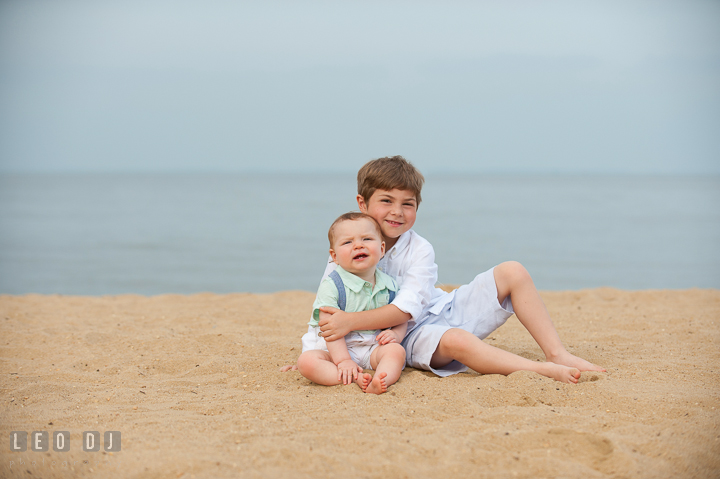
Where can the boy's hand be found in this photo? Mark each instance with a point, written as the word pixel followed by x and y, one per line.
pixel 388 336
pixel 333 323
pixel 348 371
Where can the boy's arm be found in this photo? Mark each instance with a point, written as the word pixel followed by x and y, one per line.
pixel 336 324
pixel 416 291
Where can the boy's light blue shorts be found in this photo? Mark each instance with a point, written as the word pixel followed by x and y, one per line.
pixel 474 308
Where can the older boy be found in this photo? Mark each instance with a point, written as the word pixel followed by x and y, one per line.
pixel 445 330
pixel 356 247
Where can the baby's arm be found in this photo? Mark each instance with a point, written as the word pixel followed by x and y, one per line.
pixel 347 369
pixel 393 335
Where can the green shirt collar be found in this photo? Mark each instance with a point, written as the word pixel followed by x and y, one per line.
pixel 356 283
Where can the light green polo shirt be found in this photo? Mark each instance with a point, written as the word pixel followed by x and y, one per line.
pixel 359 294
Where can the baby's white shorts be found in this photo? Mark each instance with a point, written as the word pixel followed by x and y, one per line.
pixel 360 345
pixel 474 308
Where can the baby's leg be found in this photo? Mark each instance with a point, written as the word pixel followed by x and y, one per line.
pixel 317 366
pixel 387 361
pixel 512 279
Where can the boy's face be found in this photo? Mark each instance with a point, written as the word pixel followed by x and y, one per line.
pixel 394 210
pixel 357 247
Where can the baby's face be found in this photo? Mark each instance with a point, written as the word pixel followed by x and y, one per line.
pixel 357 246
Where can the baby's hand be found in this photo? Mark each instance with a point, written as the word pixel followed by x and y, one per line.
pixel 388 336
pixel 348 371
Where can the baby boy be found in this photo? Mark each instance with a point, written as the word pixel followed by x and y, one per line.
pixel 356 246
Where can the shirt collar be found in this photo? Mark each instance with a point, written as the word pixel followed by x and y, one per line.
pixel 401 243
pixel 383 281
pixel 356 283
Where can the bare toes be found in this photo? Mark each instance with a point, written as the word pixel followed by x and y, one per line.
pixel 363 381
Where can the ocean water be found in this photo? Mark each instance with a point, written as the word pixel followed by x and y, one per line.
pixel 99 234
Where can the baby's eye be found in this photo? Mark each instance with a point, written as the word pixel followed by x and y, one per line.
pixel 346 242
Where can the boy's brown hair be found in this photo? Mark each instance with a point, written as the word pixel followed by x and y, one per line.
pixel 352 216
pixel 388 174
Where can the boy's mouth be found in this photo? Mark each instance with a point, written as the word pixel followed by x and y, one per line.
pixel 393 223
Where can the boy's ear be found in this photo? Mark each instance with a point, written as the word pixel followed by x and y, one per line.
pixel 361 203
pixel 333 255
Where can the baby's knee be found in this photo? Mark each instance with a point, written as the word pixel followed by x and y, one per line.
pixel 395 350
pixel 306 363
pixel 398 350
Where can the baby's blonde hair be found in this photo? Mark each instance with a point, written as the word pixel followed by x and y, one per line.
pixel 352 216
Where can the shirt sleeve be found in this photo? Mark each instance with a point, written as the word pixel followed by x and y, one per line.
pixel 417 285
pixel 327 295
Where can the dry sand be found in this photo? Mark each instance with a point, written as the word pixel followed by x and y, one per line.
pixel 192 384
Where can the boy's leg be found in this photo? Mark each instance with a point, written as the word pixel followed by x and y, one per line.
pixel 387 361
pixel 466 348
pixel 513 280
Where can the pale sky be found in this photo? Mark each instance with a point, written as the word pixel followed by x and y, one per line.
pixel 527 87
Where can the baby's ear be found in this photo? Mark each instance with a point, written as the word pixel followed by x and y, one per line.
pixel 333 255
pixel 382 249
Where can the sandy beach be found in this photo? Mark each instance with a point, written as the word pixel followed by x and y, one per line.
pixel 192 383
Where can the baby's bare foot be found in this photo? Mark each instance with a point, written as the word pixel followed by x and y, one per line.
pixel 288 367
pixel 377 385
pixel 572 361
pixel 363 380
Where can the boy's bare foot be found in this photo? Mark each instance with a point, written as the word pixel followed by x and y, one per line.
pixel 572 361
pixel 560 373
pixel 377 385
pixel 363 380
pixel 288 367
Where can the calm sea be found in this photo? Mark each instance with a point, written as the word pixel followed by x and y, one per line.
pixel 96 234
